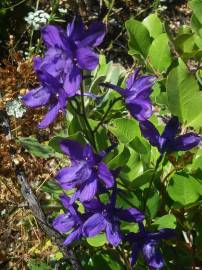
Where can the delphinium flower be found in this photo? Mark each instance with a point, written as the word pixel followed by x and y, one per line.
pixel 72 220
pixel 107 218
pixel 71 52
pixel 86 173
pixel 136 95
pixel 147 243
pixel 50 93
pixel 168 141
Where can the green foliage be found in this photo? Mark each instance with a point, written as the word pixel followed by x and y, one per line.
pixel 139 38
pixel 184 190
pixel 35 148
pixel 159 53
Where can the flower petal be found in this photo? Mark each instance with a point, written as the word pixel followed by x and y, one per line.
pixel 94 225
pixel 75 29
pixel 73 236
pixel 134 255
pixel 141 84
pixel 63 223
pixel 185 142
pixel 89 155
pixel 71 177
pixel 54 36
pixel 94 206
pixel 131 78
pixel 140 109
pixel 105 175
pixel 65 200
pixel 72 79
pixel 50 116
pixel 162 234
pixel 37 97
pixel 114 87
pixel 88 191
pixel 131 215
pixel 150 132
pixel 171 128
pixel 113 234
pixel 152 254
pixel 87 59
pixel 72 149
pixel 94 35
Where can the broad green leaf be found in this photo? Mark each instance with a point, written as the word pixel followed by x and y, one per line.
pixel 181 87
pixel 124 129
pixel 133 167
pixel 35 148
pixel 159 53
pixel 121 158
pixel 142 179
pixel 196 25
pixel 183 190
pixel 167 221
pixel 193 113
pixel 97 241
pixel 196 6
pixel 154 25
pixel 153 204
pixel 139 38
pixel 185 43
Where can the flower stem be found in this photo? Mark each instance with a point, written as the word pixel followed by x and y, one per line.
pixel 106 113
pixel 85 116
pixel 152 179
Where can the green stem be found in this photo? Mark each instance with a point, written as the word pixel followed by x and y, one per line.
pixel 151 180
pixel 106 113
pixel 85 116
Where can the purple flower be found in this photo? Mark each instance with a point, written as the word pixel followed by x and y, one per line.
pixel 169 141
pixel 72 220
pixel 86 173
pixel 107 218
pixel 69 52
pixel 137 95
pixel 50 93
pixel 147 243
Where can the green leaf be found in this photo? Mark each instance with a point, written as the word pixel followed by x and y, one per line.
pixel 167 221
pixel 153 204
pixel 97 241
pixel 142 179
pixel 120 158
pixel 183 189
pixel 196 25
pixel 139 38
pixel 159 53
pixel 181 88
pixel 35 148
pixel 133 167
pixel 196 6
pixel 124 129
pixel 154 25
pixel 185 43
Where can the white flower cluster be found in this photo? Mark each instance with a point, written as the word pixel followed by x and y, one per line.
pixel 15 108
pixel 37 19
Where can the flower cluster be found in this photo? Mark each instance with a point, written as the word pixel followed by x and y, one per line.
pixel 37 19
pixel 60 73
